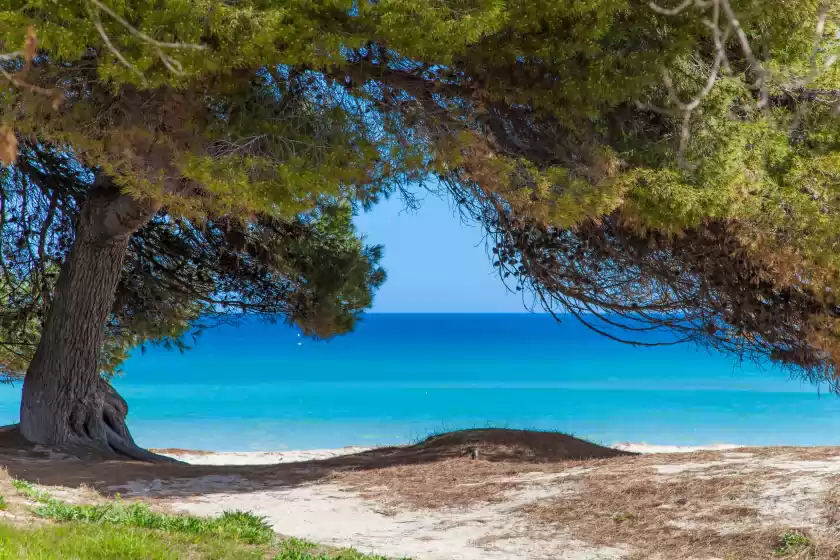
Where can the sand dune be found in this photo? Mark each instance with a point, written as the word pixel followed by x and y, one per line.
pixel 195 457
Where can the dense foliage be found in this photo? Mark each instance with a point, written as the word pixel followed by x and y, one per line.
pixel 677 165
pixel 179 275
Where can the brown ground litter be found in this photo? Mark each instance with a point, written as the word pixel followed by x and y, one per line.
pixel 495 444
pixel 452 483
pixel 518 446
pixel 831 502
pixel 681 516
pixel 758 544
pixel 477 467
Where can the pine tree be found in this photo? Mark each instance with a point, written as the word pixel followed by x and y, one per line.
pixel 173 162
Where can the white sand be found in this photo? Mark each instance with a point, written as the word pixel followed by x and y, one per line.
pixel 649 448
pixel 329 514
pixel 323 511
pixel 260 457
pixel 296 456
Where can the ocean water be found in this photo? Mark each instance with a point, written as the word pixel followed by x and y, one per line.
pixel 398 378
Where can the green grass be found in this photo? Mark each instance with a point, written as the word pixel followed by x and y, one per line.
pixel 29 491
pixel 296 549
pixel 84 541
pixel 3 505
pixel 133 531
pixel 791 543
pixel 234 525
pixel 100 542
pixel 238 526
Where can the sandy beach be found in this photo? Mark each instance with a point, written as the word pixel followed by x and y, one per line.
pixel 669 502
pixel 491 495
pixel 221 458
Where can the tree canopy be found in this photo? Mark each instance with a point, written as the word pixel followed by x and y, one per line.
pixel 179 276
pixel 659 167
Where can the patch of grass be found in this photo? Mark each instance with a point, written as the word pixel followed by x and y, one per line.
pixel 791 542
pixel 3 504
pixel 88 531
pixel 295 549
pixel 102 542
pixel 238 526
pixel 343 554
pixel 27 490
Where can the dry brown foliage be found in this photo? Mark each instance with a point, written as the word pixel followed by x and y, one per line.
pixel 497 444
pixel 682 516
pixel 641 511
pixel 474 466
pixel 453 483
pixel 831 503
pixel 713 509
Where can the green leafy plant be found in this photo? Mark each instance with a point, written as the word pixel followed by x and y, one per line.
pixel 622 517
pixel 791 542
pixel 28 490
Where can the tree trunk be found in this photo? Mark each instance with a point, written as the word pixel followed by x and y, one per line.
pixel 66 403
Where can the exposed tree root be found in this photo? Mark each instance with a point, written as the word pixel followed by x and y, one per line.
pixel 96 426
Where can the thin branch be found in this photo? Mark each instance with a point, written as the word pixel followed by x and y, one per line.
pixel 137 33
pixel 758 67
pixel 24 85
pixel 107 40
pixel 816 70
pixel 719 38
pixel 685 136
pixel 171 64
pixel 695 102
pixel 648 107
pixel 11 56
pixel 670 11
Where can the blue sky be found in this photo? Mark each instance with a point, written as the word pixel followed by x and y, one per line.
pixel 435 263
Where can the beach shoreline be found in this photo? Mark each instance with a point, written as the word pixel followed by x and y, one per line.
pixel 222 458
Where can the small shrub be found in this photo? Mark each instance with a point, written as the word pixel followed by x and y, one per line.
pixel 27 490
pixel 791 542
pixel 245 526
pixel 293 545
pixel 3 505
pixel 622 517
pixel 297 549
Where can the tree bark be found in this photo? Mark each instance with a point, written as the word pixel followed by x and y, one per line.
pixel 66 403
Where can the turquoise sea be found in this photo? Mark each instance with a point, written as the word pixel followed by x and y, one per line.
pixel 400 377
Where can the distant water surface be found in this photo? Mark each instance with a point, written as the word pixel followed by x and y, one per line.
pixel 398 377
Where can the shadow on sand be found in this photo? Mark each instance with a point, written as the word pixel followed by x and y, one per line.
pixel 24 461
